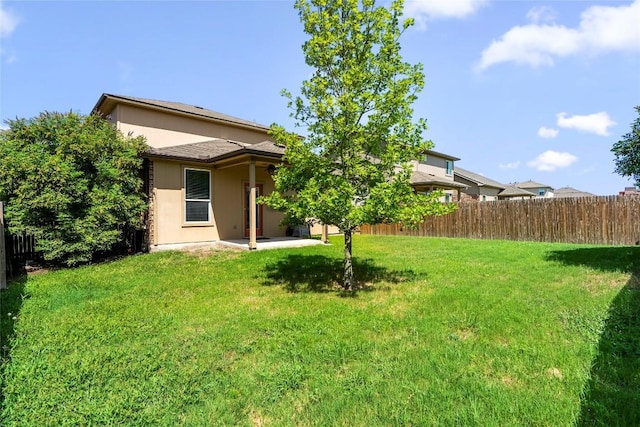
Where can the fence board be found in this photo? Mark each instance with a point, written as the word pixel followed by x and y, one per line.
pixel 609 220
pixel 3 252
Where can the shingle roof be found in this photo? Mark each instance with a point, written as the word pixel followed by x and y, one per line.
pixel 531 184
pixel 513 191
pixel 477 178
pixel 443 155
pixel 422 178
pixel 179 107
pixel 216 149
pixel 570 192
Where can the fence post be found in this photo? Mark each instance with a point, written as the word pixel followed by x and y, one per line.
pixel 3 252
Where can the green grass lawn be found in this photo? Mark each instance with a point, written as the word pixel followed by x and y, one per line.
pixel 443 332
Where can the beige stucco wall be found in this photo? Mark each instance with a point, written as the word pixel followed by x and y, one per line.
pixel 433 165
pixel 316 229
pixel 478 192
pixel 229 205
pixel 227 213
pixel 164 130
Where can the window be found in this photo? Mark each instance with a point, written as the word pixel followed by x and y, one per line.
pixel 197 189
pixel 447 197
pixel 540 191
pixel 449 166
pixel 484 198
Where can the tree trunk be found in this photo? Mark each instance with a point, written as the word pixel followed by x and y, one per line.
pixel 348 265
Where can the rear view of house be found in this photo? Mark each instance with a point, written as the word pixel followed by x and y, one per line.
pixel 203 171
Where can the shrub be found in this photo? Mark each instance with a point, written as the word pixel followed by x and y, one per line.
pixel 73 181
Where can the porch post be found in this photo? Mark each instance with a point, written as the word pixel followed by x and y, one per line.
pixel 252 205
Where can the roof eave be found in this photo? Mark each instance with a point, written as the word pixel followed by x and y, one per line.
pixel 213 159
pixel 106 97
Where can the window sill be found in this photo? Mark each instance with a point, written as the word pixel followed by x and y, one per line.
pixel 197 224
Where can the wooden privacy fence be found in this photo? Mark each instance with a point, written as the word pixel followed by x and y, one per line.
pixel 609 220
pixel 19 249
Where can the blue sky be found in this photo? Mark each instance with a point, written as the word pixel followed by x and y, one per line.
pixel 517 89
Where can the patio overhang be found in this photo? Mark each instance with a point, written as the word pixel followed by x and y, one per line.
pixel 422 181
pixel 220 154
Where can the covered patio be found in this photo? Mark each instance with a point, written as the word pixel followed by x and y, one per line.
pixel 244 244
pixel 271 243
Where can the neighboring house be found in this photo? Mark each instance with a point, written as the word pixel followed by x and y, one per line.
pixel 511 192
pixel 539 190
pixel 435 171
pixel 565 192
pixel 203 171
pixel 479 187
pixel 630 191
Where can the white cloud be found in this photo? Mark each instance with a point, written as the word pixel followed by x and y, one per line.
pixel 4 126
pixel 552 160
pixel 601 29
pixel 541 14
pixel 426 10
pixel 597 123
pixel 8 23
pixel 512 165
pixel 544 132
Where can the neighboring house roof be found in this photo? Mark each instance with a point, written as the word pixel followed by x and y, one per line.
pixel 216 149
pixel 444 156
pixel 513 191
pixel 531 184
pixel 107 101
pixel 479 180
pixel 422 178
pixel 570 192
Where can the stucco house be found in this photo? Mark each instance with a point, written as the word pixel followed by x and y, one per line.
pixel 435 171
pixel 539 190
pixel 479 187
pixel 511 192
pixel 570 192
pixel 203 171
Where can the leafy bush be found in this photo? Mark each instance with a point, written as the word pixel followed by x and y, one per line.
pixel 73 181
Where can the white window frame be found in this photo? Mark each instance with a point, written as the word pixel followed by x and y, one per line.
pixel 208 220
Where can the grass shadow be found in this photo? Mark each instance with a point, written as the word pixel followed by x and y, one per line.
pixel 11 300
pixel 319 273
pixel 611 397
pixel 625 259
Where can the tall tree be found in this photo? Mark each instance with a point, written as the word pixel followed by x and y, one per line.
pixel 72 181
pixel 353 167
pixel 627 152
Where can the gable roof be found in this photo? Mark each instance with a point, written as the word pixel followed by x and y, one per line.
pixel 479 180
pixel 108 101
pixel 531 184
pixel 438 154
pixel 570 192
pixel 513 191
pixel 422 178
pixel 216 149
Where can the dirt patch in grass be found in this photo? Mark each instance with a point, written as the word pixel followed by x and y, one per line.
pixel 224 252
pixel 510 381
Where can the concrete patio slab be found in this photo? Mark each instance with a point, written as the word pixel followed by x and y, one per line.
pixel 241 244
pixel 271 243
